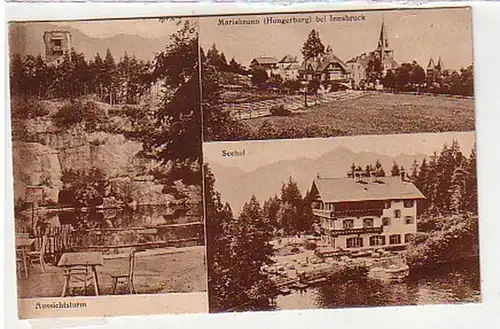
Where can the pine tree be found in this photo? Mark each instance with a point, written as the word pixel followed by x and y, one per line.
pixel 252 245
pixel 270 210
pixel 414 171
pixel 16 74
pixel 109 77
pixel 312 46
pixel 471 182
pixel 458 189
pixel 223 275
pixel 395 171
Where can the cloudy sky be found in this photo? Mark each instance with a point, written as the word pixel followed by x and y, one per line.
pixel 261 153
pixel 413 34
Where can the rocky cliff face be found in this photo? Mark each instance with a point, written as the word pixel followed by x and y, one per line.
pixel 42 163
pixel 36 164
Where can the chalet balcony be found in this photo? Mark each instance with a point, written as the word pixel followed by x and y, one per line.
pixel 349 231
pixel 377 212
pixel 323 213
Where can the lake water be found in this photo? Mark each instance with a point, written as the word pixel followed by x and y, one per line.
pixel 455 283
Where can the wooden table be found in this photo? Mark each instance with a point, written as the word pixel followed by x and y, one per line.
pixel 23 245
pixel 70 261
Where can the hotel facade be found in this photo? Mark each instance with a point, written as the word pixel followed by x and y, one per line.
pixel 362 212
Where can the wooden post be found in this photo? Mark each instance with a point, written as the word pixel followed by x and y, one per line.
pixel 33 218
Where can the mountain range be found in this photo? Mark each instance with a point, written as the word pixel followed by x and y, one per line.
pixel 27 39
pixel 237 186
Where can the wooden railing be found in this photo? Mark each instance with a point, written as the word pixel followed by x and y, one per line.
pixel 349 231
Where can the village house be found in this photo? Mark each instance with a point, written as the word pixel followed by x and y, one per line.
pixel 383 52
pixel 326 68
pixel 289 67
pixel 267 63
pixel 360 212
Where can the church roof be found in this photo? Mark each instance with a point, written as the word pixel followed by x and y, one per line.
pixel 349 190
pixel 365 58
pixel 383 41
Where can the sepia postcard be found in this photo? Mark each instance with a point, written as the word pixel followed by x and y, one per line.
pixel 257 162
pixel 108 198
pixel 285 76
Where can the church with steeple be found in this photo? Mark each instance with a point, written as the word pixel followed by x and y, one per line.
pixel 433 70
pixel 383 53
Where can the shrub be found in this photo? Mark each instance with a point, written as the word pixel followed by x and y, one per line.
pixel 20 131
pixel 279 110
pixel 88 114
pixel 26 108
pixel 295 250
pixel 311 245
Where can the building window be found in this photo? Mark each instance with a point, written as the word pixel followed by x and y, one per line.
pixel 368 222
pixel 348 223
pixel 408 203
pixel 386 221
pixel 354 243
pixel 395 239
pixel 409 237
pixel 377 240
pixel 409 219
pixel 397 213
pixel 332 224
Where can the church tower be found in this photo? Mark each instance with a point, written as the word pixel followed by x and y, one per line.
pixel 383 48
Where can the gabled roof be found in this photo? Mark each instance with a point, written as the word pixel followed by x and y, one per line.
pixel 289 59
pixel 265 60
pixel 321 62
pixel 331 58
pixel 349 190
pixel 366 58
pixel 292 66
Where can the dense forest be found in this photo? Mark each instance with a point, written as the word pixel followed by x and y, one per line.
pixel 448 180
pixel 122 82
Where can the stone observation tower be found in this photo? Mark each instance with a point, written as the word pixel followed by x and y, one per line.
pixel 57 43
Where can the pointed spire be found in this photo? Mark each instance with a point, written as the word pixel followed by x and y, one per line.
pixel 439 65
pixel 430 66
pixel 383 42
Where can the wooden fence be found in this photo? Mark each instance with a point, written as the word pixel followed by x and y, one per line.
pixel 111 240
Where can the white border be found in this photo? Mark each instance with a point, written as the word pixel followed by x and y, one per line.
pixel 486 25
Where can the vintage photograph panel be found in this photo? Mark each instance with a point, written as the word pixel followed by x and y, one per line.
pixel 285 76
pixel 106 135
pixel 362 221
